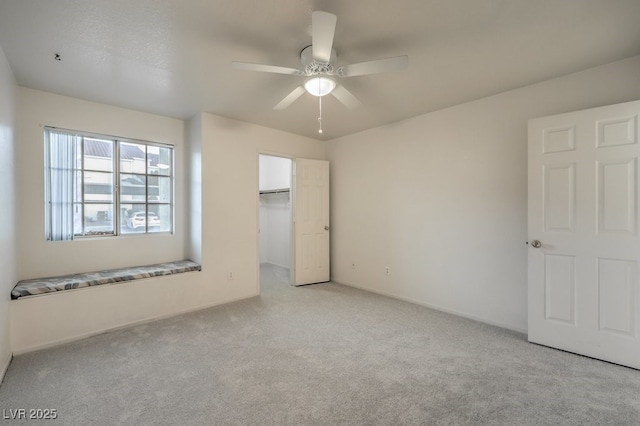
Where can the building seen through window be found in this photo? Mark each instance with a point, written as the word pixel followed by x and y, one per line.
pixel 102 186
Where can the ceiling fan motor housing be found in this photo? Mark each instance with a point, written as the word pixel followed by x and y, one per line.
pixel 313 67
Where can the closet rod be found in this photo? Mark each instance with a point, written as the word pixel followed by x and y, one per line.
pixel 274 191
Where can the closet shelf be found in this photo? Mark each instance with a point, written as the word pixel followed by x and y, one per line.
pixel 274 191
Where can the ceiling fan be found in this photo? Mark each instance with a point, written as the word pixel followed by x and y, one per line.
pixel 319 66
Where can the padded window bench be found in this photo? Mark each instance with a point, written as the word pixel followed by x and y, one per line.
pixel 39 286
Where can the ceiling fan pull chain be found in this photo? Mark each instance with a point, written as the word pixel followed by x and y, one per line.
pixel 320 118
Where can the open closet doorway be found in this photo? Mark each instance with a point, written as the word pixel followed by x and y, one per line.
pixel 275 220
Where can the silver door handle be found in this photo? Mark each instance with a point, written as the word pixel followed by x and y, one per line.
pixel 326 228
pixel 536 244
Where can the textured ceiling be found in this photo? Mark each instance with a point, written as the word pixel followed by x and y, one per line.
pixel 173 57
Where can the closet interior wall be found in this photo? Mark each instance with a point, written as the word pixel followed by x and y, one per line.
pixel 275 210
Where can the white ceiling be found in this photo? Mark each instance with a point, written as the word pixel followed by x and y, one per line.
pixel 173 57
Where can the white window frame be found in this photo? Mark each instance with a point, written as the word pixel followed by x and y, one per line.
pixel 118 223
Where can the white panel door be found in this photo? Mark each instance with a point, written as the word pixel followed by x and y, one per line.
pixel 311 220
pixel 584 246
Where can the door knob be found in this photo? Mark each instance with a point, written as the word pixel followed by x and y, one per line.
pixel 536 244
pixel 326 228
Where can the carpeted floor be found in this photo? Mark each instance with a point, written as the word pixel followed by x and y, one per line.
pixel 323 354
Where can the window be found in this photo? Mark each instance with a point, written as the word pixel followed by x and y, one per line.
pixel 103 186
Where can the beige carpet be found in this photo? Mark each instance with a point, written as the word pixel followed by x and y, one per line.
pixel 319 355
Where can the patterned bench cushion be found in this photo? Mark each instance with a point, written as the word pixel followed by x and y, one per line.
pixel 68 282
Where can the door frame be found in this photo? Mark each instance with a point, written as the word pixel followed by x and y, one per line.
pixel 291 215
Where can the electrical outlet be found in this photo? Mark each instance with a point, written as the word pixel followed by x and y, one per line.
pixel 387 270
pixel 229 276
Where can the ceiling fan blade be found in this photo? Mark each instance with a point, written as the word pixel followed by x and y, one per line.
pixel 345 96
pixel 396 63
pixel 265 68
pixel 323 27
pixel 291 97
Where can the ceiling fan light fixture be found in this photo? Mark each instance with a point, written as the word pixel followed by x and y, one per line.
pixel 320 86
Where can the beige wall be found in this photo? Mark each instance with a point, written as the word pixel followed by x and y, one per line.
pixel 39 258
pixel 442 198
pixel 230 241
pixel 194 206
pixel 8 258
pixel 221 165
